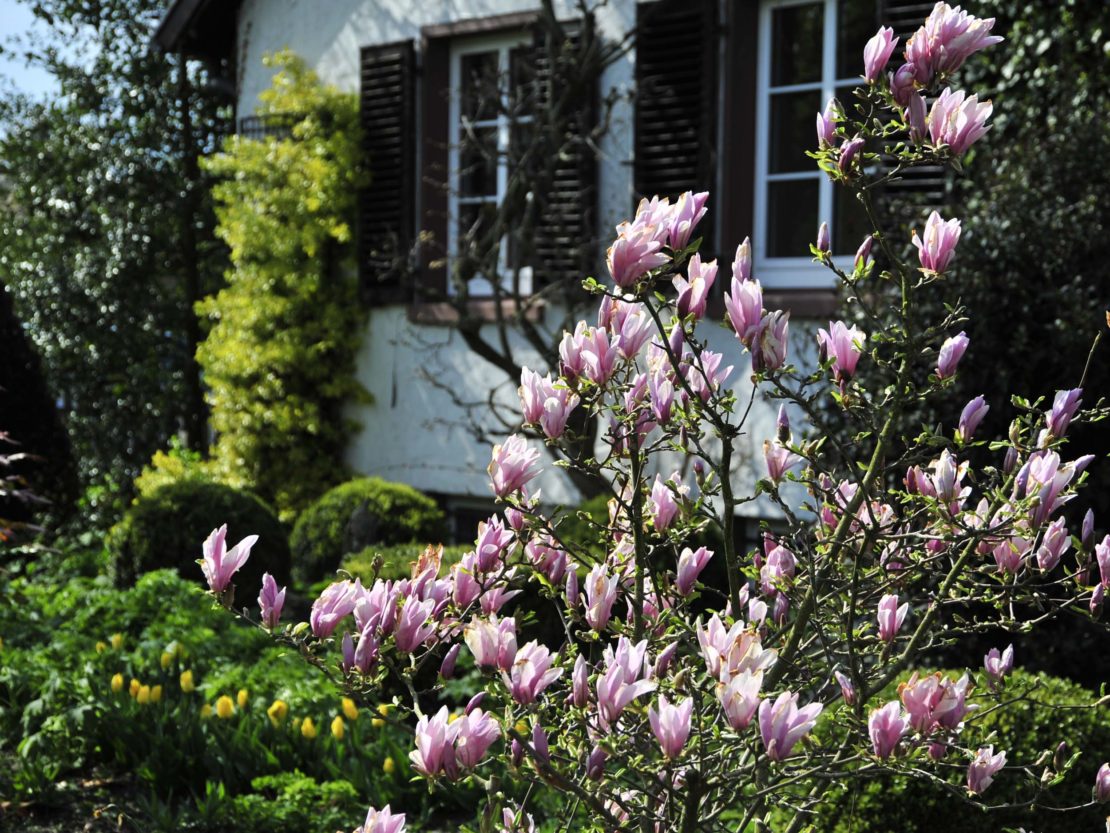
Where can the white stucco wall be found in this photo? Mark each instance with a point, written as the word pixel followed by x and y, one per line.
pixel 414 432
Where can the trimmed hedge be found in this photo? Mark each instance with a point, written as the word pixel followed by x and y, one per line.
pixel 1025 729
pixel 358 514
pixel 166 528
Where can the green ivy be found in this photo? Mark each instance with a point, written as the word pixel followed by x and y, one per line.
pixel 279 358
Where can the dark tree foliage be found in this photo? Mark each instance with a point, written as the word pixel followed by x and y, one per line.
pixel 99 191
pixel 29 417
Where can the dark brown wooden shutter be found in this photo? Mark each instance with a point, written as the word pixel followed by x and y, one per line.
pixel 387 109
pixel 676 99
pixel 923 189
pixel 566 74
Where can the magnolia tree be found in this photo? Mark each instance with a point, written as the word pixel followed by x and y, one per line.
pixel 672 705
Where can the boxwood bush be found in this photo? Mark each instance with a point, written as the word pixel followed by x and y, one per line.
pixel 166 528
pixel 1025 729
pixel 355 515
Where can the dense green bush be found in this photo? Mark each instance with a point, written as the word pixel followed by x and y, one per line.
pixel 357 514
pixel 397 560
pixel 1026 729
pixel 165 529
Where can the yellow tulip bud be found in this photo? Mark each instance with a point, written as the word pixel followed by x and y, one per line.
pixel 384 709
pixel 133 688
pixel 117 683
pixel 277 712
pixel 117 641
pixel 308 728
pixel 206 710
pixel 388 766
pixel 143 695
pixel 101 647
pixel 350 709
pixel 242 698
pixel 451 718
pixel 224 707
pixel 188 684
pixel 167 658
pixel 338 728
pixel 522 728
pixel 377 722
pixel 156 694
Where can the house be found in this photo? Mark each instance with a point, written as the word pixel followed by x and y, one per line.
pixel 716 95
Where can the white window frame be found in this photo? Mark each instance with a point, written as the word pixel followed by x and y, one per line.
pixel 801 271
pixel 503 44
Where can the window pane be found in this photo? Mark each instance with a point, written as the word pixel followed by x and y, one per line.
pixel 791 217
pixel 796 38
pixel 522 78
pixel 792 131
pixel 849 223
pixel 478 162
pixel 474 222
pixel 856 23
pixel 480 85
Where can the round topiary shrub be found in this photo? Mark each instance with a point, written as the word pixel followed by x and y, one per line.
pixel 166 528
pixel 355 515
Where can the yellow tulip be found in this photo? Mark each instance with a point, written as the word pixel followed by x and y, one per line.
pixel 117 641
pixel 388 766
pixel 308 728
pixel 167 658
pixel 451 718
pixel 338 728
pixel 143 695
pixel 156 694
pixel 206 710
pixel 188 684
pixel 350 709
pixel 117 683
pixel 384 709
pixel 521 728
pixel 101 647
pixel 133 688
pixel 277 712
pixel 377 722
pixel 242 698
pixel 224 707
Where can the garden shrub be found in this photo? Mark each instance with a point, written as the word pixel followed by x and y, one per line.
pixel 165 529
pixel 1026 729
pixel 357 514
pixel 178 463
pixel 397 560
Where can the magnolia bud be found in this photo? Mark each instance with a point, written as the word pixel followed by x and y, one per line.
pixel 1088 534
pixel 539 744
pixel 447 667
pixel 475 701
pixel 1096 600
pixel 863 253
pixel 595 764
pixel 823 238
pixel 1010 460
pixel 572 586
pixel 516 752
pixel 783 425
pixel 1061 756
pixel 937 750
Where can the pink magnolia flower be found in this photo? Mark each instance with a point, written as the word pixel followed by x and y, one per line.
pixel 220 563
pixel 435 752
pixel 571 360
pixel 531 673
pixel 782 724
pixel 706 375
pixel 886 727
pixel 1055 543
pixel 687 213
pixel 876 54
pixel 512 465
pixel 693 290
pixel 779 459
pixel 902 84
pixel 970 417
pixel 1102 556
pixel 545 402
pixel 337 600
pixel 414 627
pixel 638 247
pixel 599 355
pixel 935 700
pixel 516 822
pixel 270 601
pixel 580 682
pixel 382 821
pixel 983 768
pixel 690 564
pixel 671 724
pixel 465 588
pixel 475 732
pixel 622 682
pixel 662 504
pixel 777 573
pixel 1102 784
pixel 493 542
pixel 849 150
pixel 363 657
pixel 1064 406
pixel 935 250
pixel 891 617
pixel 917 118
pixel 998 665
pixel 492 641
pixel 847 689
pixel 950 354
pixel 957 121
pixel 662 397
pixel 739 696
pixel 948 38
pixel 843 345
pixel 601 593
pixel 862 259
pixel 826 124
pixel 730 652
pixel 744 306
pixel 823 241
pixel 1009 553
pixel 770 342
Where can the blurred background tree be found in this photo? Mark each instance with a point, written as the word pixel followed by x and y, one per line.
pixel 106 232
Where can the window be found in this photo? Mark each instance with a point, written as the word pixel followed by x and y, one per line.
pixel 485 124
pixel 809 51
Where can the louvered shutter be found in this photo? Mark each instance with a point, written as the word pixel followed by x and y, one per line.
pixel 566 77
pixel 920 189
pixel 676 99
pixel 385 207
